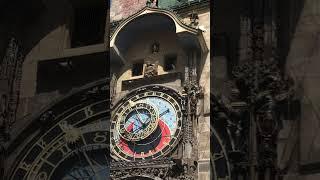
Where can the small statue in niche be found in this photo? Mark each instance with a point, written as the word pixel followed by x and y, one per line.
pixel 151 70
pixel 194 19
pixel 152 3
pixel 151 67
pixel 155 47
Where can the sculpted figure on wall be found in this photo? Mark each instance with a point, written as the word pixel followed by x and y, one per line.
pixel 151 70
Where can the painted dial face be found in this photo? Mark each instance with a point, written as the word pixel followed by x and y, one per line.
pixel 76 147
pixel 160 140
pixel 138 121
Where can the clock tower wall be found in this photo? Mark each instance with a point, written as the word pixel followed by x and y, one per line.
pixel 152 50
pixel 121 9
pixel 169 60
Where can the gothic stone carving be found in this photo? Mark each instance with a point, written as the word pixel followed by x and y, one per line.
pixel 155 169
pixel 152 169
pixel 10 75
pixel 229 116
pixel 151 70
pixel 189 172
pixel 264 88
pixel 152 3
pixel 155 48
pixel 194 19
pixel 193 92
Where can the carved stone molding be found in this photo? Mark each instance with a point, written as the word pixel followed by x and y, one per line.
pixel 152 169
pixel 264 88
pixel 194 19
pixel 152 3
pixel 151 70
pixel 192 94
pixel 10 76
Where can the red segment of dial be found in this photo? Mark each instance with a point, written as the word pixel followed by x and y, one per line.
pixel 123 144
pixel 164 141
pixel 130 127
pixel 166 136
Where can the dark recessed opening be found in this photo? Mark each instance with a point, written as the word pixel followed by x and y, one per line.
pixel 137 69
pixel 88 24
pixel 67 73
pixel 170 62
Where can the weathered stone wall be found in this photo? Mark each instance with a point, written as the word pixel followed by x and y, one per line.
pixel 168 44
pixel 121 9
pixel 45 39
pixel 303 65
pixel 141 50
pixel 203 130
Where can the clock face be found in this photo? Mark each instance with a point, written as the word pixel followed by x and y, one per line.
pixel 88 158
pixel 73 144
pixel 153 120
pixel 138 121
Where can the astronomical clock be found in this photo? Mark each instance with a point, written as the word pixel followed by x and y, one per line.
pixel 156 62
pixel 72 139
pixel 146 124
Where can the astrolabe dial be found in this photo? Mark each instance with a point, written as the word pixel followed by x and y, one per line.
pixel 138 121
pixel 145 140
pixel 88 159
pixel 74 147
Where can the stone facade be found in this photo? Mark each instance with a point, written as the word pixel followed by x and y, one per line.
pixel 122 9
pixel 139 49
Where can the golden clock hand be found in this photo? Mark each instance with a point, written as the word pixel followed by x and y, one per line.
pixel 132 104
pixel 135 131
pixel 148 119
pixel 134 123
pixel 139 128
pixel 139 117
pixel 165 112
